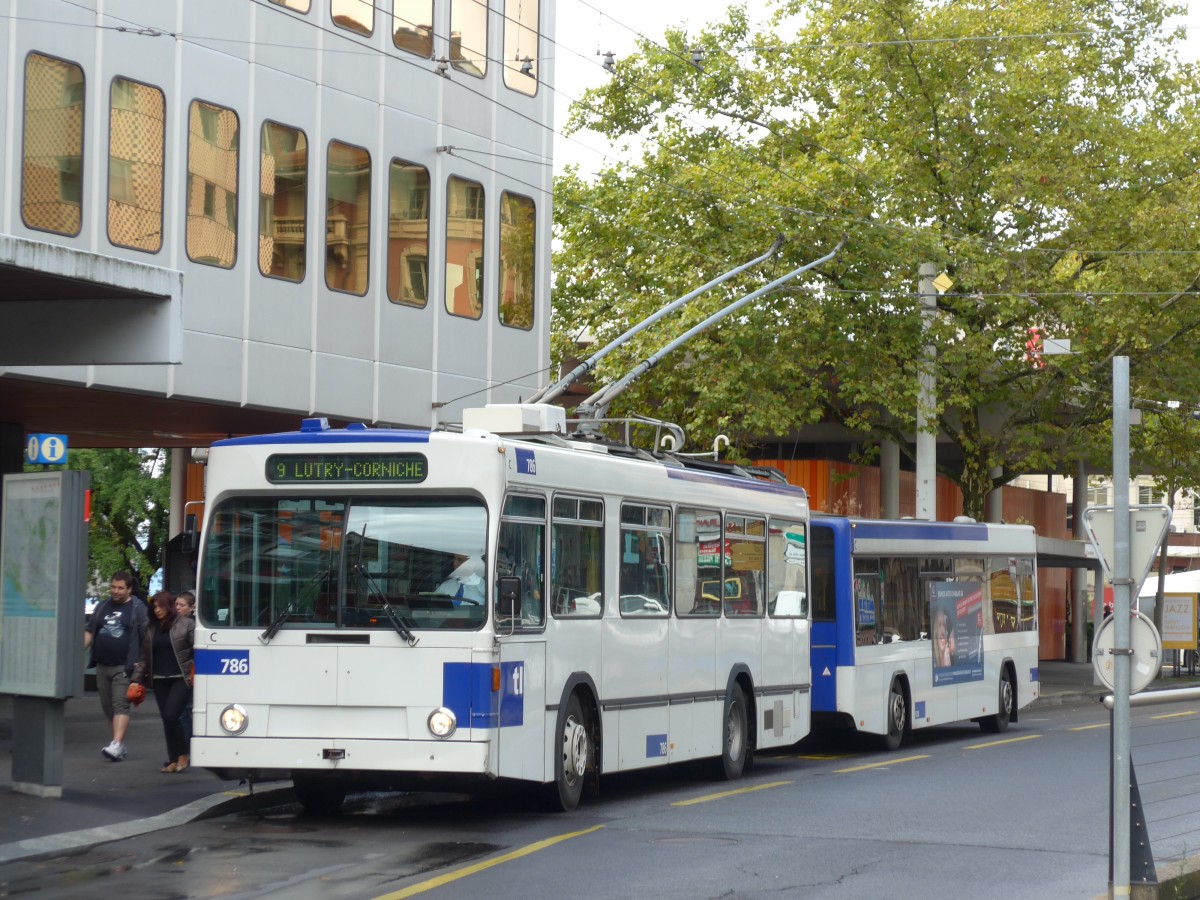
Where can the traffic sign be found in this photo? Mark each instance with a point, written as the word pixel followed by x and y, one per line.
pixel 1147 652
pixel 46 449
pixel 1147 526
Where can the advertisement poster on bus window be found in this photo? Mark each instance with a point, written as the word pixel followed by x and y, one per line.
pixel 956 612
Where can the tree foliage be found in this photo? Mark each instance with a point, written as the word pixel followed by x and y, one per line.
pixel 130 504
pixel 1042 154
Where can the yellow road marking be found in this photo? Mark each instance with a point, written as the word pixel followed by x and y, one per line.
pixel 723 794
pixel 1028 737
pixel 813 756
pixel 1089 727
pixel 1178 715
pixel 878 765
pixel 457 874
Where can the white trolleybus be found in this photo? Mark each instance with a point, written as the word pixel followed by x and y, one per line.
pixel 380 608
pixel 921 623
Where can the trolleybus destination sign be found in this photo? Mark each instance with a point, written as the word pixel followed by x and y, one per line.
pixel 346 468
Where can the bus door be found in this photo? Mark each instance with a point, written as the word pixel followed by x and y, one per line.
pixel 521 705
pixel 824 615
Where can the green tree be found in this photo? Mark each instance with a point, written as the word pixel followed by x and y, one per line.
pixel 130 500
pixel 1041 154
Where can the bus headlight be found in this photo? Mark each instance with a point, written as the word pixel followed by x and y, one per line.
pixel 442 722
pixel 234 719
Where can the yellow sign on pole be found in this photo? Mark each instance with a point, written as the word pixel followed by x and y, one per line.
pixel 1179 621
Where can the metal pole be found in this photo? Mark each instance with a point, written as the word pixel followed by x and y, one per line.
pixel 926 398
pixel 1121 650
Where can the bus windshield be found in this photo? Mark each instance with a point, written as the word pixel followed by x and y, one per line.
pixel 340 562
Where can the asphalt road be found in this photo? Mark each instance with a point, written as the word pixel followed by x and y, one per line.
pixel 955 814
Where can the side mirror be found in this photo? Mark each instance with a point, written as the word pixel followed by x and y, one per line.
pixel 508 597
pixel 191 539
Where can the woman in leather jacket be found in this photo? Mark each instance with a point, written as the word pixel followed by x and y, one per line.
pixel 166 666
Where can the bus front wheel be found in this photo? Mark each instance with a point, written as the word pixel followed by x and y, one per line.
pixel 574 754
pixel 735 738
pixel 1006 703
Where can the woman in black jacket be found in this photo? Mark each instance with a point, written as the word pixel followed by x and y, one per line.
pixel 166 665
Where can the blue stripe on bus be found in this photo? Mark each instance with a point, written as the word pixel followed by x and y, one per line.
pixel 340 436
pixel 467 692
pixel 920 531
pixel 746 484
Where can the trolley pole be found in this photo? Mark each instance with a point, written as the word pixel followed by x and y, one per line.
pixel 1122 589
pixel 926 401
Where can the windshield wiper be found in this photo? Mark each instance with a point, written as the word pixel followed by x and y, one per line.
pixel 266 636
pixel 397 623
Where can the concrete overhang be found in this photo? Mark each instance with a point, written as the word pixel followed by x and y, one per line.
pixel 1066 554
pixel 61 306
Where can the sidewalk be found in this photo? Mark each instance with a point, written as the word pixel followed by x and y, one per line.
pixel 104 801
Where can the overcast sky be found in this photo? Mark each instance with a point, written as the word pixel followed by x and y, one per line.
pixel 583 31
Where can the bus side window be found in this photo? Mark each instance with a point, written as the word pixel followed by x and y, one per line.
pixel 520 554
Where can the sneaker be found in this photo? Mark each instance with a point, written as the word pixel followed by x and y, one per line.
pixel 115 751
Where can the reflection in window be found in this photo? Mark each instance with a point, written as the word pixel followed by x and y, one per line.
pixel 212 184
pixel 698 558
pixel 354 15
pixel 412 26
pixel 787 586
pixel 468 36
pixel 297 5
pixel 135 165
pixel 408 233
pixel 52 180
pixel 348 218
pixel 464 248
pixel 745 565
pixel 577 557
pixel 521 552
pixel 520 45
pixel 516 260
pixel 645 585
pixel 283 202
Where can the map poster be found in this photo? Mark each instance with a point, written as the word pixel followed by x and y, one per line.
pixel 41 583
pixel 956 610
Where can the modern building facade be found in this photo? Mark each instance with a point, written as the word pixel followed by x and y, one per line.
pixel 218 217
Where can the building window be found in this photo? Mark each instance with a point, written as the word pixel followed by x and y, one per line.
pixel 298 5
pixel 521 45
pixel 468 36
pixel 1098 494
pixel 354 15
pixel 517 236
pixel 412 26
pixel 464 248
pixel 1146 495
pixel 52 155
pixel 136 132
pixel 347 218
pixel 408 233
pixel 212 185
pixel 283 202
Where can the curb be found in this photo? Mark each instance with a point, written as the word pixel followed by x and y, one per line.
pixel 209 807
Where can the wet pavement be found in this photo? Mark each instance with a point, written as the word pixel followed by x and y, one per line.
pixel 104 801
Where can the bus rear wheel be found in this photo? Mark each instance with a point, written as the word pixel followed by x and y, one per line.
pixel 735 737
pixel 319 796
pixel 574 755
pixel 1006 703
pixel 897 717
